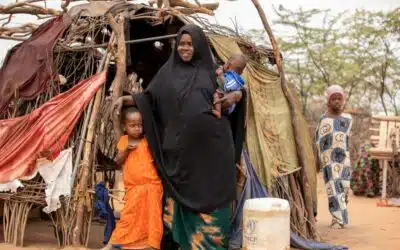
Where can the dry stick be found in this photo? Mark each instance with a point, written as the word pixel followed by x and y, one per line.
pixel 303 209
pixel 13 218
pixel 94 150
pixel 10 221
pixel 200 9
pixel 166 3
pixel 21 228
pixel 27 8
pixel 18 226
pixel 89 229
pixel 290 198
pixel 83 132
pixel 295 121
pixel 120 77
pixel 82 186
pixel 24 221
pixel 6 220
pixel 294 190
pixel 13 38
pixel 16 223
pixel 55 224
pixel 104 45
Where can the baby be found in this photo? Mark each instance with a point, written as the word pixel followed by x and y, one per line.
pixel 229 79
pixel 140 226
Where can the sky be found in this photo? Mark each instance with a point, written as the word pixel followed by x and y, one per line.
pixel 244 12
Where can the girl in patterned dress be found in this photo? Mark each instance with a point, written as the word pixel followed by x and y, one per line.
pixel 333 135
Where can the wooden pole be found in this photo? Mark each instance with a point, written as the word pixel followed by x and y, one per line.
pixel 384 181
pixel 166 3
pixel 120 56
pixel 102 65
pixel 295 120
pixel 85 163
pixel 117 24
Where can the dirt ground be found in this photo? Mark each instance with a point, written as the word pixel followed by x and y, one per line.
pixel 370 228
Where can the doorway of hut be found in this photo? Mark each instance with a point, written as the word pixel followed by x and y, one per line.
pixel 145 58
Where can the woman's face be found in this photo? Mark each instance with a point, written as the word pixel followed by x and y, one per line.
pixel 185 48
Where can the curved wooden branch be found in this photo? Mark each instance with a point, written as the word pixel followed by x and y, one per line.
pixel 203 8
pixel 28 7
pixel 20 33
pixel 13 38
pixel 295 122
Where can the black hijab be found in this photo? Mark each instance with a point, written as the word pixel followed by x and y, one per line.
pixel 194 151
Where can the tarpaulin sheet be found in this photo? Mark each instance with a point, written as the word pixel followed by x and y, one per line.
pixel 28 67
pixel 269 131
pixel 253 189
pixel 43 132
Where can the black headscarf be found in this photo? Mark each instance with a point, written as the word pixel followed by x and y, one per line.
pixel 194 151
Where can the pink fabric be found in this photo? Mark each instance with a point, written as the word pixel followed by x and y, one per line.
pixel 334 89
pixel 43 132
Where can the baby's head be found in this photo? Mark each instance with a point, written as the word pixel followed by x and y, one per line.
pixel 132 121
pixel 236 63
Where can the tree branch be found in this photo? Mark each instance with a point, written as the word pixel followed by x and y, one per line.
pixel 17 33
pixel 28 7
pixel 295 122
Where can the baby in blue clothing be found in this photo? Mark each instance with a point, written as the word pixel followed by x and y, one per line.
pixel 229 79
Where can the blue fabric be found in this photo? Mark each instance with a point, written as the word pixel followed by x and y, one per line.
pixel 104 210
pixel 233 82
pixel 253 188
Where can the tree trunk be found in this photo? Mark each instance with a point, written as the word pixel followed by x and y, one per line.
pixel 295 121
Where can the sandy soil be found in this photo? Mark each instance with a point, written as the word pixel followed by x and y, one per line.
pixel 39 236
pixel 370 228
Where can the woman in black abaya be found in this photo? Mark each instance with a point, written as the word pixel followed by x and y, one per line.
pixel 195 152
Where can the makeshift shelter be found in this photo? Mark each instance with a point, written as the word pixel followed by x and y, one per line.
pixel 385 140
pixel 113 44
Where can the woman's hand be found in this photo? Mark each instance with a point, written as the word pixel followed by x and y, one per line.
pixel 229 99
pixel 117 107
pixel 219 71
pixel 120 102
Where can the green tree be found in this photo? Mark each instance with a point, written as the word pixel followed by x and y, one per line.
pixel 357 50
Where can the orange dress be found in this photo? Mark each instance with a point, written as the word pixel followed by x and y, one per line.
pixel 140 225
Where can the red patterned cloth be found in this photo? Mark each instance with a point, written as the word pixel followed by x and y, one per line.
pixel 44 131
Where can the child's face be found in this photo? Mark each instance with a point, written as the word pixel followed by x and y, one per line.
pixel 133 125
pixel 237 65
pixel 336 103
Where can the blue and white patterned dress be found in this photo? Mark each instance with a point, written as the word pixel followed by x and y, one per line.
pixel 334 156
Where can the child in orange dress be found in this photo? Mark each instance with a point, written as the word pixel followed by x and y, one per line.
pixel 140 225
